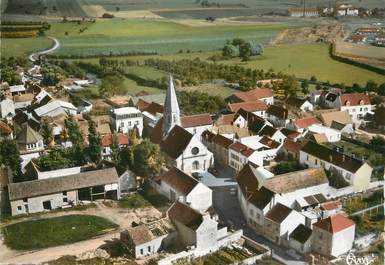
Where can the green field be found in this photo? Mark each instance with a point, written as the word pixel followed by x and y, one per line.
pixel 23 46
pixel 54 231
pixel 120 36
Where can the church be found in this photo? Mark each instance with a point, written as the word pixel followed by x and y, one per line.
pixel 184 150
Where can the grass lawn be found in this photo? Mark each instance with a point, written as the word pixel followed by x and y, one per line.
pixel 23 46
pixel 134 201
pixel 55 231
pixel 133 88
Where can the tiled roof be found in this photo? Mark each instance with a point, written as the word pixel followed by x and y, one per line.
pixel 225 119
pixel 28 135
pixel 332 205
pixel 176 142
pixel 178 180
pixel 122 139
pixel 292 146
pixel 278 111
pixel 320 138
pixel 306 122
pixel 332 156
pixel 154 108
pixel 296 180
pixel 290 133
pixel 268 131
pixel 301 233
pixel 339 116
pixel 28 189
pixel 250 106
pixel 249 186
pixel 334 224
pixel 295 102
pixel 196 120
pixel 208 136
pixel 185 215
pixel 222 141
pixel 5 130
pixel 254 94
pixel 241 148
pixel 278 213
pixel 269 142
pixel 142 104
pixel 355 99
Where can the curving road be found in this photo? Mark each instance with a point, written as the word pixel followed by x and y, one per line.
pixel 55 46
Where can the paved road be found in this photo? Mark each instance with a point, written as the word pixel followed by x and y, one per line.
pixel 32 57
pixel 229 211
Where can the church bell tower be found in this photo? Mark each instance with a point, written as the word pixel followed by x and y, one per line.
pixel 171 112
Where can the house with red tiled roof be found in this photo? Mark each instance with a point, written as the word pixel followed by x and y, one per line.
pixel 333 236
pixel 108 140
pixel 300 125
pixel 218 145
pixel 177 185
pixel 257 107
pixel 262 94
pixel 197 124
pixel 238 155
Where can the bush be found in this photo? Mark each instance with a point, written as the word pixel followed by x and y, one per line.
pixel 108 15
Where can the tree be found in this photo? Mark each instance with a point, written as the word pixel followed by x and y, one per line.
pixel 148 159
pixel 305 87
pixel 256 48
pixel 73 131
pixel 94 148
pixel 230 51
pixel 55 159
pixel 10 156
pixel 238 42
pixel 112 85
pixel 46 132
pixel 289 85
pixel 134 136
pixel 52 74
pixel 371 86
pixel 245 51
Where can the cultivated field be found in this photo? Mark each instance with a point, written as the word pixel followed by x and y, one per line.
pixel 153 36
pixel 23 46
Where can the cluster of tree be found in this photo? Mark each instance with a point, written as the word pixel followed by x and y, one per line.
pixel 286 167
pixel 8 69
pixel 10 157
pixel 207 3
pixel 196 102
pixel 241 48
pixel 193 72
pixel 53 74
pixel 113 85
pixel 108 15
pixel 70 69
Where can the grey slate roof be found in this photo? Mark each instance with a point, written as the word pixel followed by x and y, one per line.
pixel 34 188
pixel 28 135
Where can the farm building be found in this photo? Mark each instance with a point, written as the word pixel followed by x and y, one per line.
pixel 304 12
pixel 63 192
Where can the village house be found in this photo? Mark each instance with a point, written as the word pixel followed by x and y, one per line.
pixel 7 109
pixel 299 104
pixel 176 185
pixel 55 108
pixel 300 239
pixel 249 120
pixel 22 101
pixel 278 115
pixel 30 144
pixel 304 12
pixel 346 10
pixel 300 125
pixel 256 107
pixel 62 192
pixel 183 149
pixel 280 221
pixel 17 90
pixel 196 124
pixel 108 140
pixel 149 238
pixel 239 154
pixel 290 149
pixel 355 172
pixel 261 94
pixel 339 120
pixel 333 236
pixel 127 118
pixel 291 134
pixel 218 145
pixel 198 230
pixel 272 133
pixel 331 134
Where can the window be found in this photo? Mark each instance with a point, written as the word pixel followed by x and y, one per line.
pixel 251 212
pixel 316 162
pixel 149 248
pixel 19 208
pixel 25 200
pixel 195 150
pixel 64 193
pixel 307 158
pixel 136 122
pixel 65 199
pixel 258 216
pixel 129 123
pixel 195 165
pixel 141 251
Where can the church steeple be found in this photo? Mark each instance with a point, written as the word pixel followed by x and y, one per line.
pixel 171 112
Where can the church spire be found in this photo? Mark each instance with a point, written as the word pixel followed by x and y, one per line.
pixel 171 113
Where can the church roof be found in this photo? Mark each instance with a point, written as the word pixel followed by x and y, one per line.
pixel 196 120
pixel 171 108
pixel 176 142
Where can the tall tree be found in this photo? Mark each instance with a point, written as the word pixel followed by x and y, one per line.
pixel 148 159
pixel 10 156
pixel 73 131
pixel 245 51
pixel 46 132
pixel 94 143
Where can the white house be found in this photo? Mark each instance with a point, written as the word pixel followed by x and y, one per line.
pixel 30 144
pixel 62 192
pixel 280 221
pixel 149 238
pixel 277 115
pixel 239 154
pixel 125 119
pixel 332 135
pixel 346 10
pixel 108 140
pixel 300 239
pixel 17 90
pixel 56 108
pixel 357 173
pixel 197 124
pixel 304 12
pixel 7 109
pixel 179 186
pixel 301 104
pixel 333 236
pixel 261 94
pixel 272 133
pixel 300 125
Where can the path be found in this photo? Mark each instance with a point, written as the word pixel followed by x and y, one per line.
pixel 55 46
